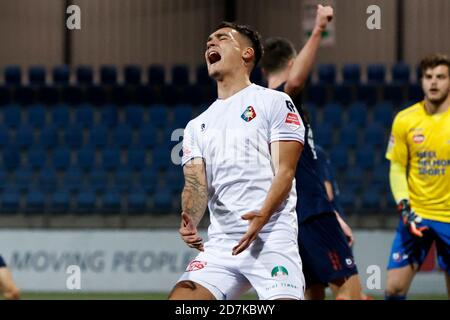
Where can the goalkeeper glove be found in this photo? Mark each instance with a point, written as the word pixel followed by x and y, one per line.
pixel 410 219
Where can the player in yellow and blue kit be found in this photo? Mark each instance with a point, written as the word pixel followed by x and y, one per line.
pixel 419 151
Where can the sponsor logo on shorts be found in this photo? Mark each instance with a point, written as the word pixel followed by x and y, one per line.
pixel 202 127
pixel 186 152
pixel 279 272
pixel 397 256
pixel 196 265
pixel 418 138
pixel 249 114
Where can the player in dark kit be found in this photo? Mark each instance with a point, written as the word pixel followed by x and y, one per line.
pixel 326 254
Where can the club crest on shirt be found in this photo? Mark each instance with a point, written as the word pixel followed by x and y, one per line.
pixel 293 121
pixel 249 114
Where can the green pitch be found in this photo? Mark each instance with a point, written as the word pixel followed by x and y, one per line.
pixel 156 296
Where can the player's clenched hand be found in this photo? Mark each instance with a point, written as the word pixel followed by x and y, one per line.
pixel 323 16
pixel 257 222
pixel 346 228
pixel 410 219
pixel 189 233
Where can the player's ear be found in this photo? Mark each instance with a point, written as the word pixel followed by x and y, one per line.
pixel 248 54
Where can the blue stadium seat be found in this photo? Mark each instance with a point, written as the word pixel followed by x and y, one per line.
pixel 376 73
pixel 134 115
pixel 13 75
pixel 339 157
pixel 148 180
pixel 383 113
pixel 400 73
pixel 111 158
pixel 10 201
pixel 11 158
pixel 25 136
pixel 162 201
pixel 84 115
pixel 61 75
pixel 380 175
pixel 367 93
pixel 147 136
pixel 182 115
pixel 351 73
pixel 375 135
pixel 37 75
pixel 357 114
pixel 123 135
pixel 73 179
pixel 176 179
pixel 35 202
pixel 37 158
pixel 354 177
pixel 4 182
pixel 111 202
pixel 323 135
pixel 23 179
pixel 332 114
pixel 4 136
pixel 158 115
pixel 371 200
pixel 109 115
pixel 316 93
pixel 108 75
pixel 342 93
pixel 123 179
pixel 59 202
pixel 95 94
pixel 86 158
pixel 202 76
pixel 48 180
pixel 161 157
pixel 98 180
pixel 98 136
pixel 73 136
pixel 156 75
pixel 85 202
pixel 85 75
pixel 348 197
pixel 49 137
pixel 137 201
pixel 327 73
pixel 349 135
pixel 37 116
pixel 61 158
pixel 365 157
pixel 136 158
pixel 415 92
pixel 180 75
pixel 11 115
pixel 394 92
pixel 132 74
pixel 61 116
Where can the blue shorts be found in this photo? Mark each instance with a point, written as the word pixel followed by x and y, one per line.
pixel 407 249
pixel 2 262
pixel 324 249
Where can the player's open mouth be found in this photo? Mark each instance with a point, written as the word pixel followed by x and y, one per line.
pixel 213 57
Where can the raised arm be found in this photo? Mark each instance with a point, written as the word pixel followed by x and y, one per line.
pixel 304 61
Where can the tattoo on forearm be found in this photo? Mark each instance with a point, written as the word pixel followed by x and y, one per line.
pixel 194 197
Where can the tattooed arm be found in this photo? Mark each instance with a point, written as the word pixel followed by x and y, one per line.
pixel 194 199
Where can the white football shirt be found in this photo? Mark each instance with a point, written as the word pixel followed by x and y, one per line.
pixel 233 137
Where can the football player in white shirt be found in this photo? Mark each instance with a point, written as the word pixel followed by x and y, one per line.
pixel 239 158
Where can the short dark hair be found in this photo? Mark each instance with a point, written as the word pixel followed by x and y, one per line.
pixel 249 33
pixel 434 60
pixel 277 53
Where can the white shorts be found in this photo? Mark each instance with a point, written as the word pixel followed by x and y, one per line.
pixel 272 268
